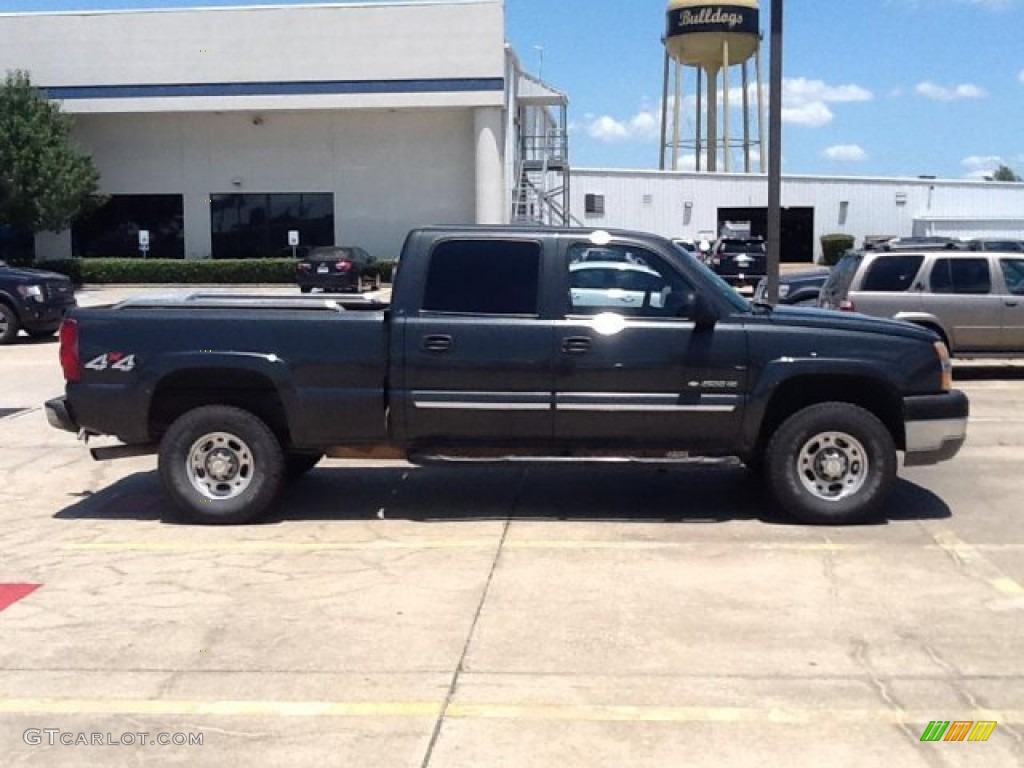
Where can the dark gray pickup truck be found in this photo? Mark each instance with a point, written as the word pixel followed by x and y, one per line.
pixel 518 344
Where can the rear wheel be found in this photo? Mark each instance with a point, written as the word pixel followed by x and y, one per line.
pixel 221 465
pixel 9 324
pixel 832 464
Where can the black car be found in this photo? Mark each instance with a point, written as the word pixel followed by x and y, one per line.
pixel 740 261
pixel 32 300
pixel 797 288
pixel 344 269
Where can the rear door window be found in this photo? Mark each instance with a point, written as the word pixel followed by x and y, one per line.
pixel 483 277
pixel 1013 273
pixel 892 274
pixel 965 276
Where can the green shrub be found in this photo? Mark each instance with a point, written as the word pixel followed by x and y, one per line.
pixel 187 271
pixel 228 271
pixel 834 246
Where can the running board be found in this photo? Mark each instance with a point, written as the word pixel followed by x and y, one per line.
pixel 109 452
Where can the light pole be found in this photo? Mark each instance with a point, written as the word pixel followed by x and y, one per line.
pixel 775 156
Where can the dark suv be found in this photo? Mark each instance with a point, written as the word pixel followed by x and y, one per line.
pixel 740 261
pixel 33 300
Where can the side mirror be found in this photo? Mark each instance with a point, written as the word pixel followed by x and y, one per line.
pixel 699 310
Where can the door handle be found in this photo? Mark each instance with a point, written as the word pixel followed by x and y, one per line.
pixel 576 345
pixel 1010 303
pixel 437 343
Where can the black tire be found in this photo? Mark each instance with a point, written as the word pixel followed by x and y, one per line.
pixel 838 438
pixel 305 288
pixel 298 464
pixel 238 441
pixel 9 325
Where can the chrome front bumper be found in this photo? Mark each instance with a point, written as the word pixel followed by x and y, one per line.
pixel 935 427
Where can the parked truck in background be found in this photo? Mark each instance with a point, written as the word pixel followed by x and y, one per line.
pixel 512 343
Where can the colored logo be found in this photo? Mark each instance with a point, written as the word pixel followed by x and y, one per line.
pixel 958 730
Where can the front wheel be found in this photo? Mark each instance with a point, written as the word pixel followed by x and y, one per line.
pixel 221 465
pixel 831 464
pixel 9 325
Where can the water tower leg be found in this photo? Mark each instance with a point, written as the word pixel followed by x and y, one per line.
pixel 664 114
pixel 712 120
pixel 760 107
pixel 746 120
pixel 699 144
pixel 726 116
pixel 677 110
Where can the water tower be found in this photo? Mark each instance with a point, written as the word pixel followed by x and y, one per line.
pixel 712 39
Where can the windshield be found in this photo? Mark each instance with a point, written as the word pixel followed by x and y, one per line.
pixel 723 288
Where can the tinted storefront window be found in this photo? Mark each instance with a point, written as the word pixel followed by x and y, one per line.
pixel 113 228
pixel 257 225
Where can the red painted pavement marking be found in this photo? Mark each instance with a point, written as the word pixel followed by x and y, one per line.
pixel 12 593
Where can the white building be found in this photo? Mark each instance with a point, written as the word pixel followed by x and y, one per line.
pixel 691 204
pixel 220 129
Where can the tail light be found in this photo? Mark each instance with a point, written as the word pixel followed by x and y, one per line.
pixel 847 306
pixel 303 266
pixel 343 266
pixel 70 363
pixel 946 366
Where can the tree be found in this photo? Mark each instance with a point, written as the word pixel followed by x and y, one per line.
pixel 45 180
pixel 1005 173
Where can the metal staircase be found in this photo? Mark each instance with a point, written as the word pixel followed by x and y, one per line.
pixel 541 194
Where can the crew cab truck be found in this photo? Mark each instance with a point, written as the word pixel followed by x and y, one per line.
pixel 511 344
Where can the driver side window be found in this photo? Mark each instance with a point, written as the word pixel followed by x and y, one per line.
pixel 626 280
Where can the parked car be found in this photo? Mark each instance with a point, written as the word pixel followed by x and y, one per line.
pixel 799 288
pixel 32 300
pixel 740 261
pixel 974 301
pixel 996 244
pixel 344 269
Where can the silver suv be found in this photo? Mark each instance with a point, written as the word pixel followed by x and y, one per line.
pixel 973 300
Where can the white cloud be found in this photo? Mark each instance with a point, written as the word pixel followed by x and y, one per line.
pixel 813 115
pixel 643 126
pixel 846 153
pixel 936 92
pixel 806 102
pixel 980 166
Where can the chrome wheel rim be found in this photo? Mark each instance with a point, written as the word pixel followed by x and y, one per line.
pixel 4 325
pixel 220 466
pixel 833 466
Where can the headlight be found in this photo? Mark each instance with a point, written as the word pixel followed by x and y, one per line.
pixel 946 364
pixel 31 292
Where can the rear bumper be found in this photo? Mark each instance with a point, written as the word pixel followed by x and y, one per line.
pixel 935 427
pixel 336 283
pixel 58 414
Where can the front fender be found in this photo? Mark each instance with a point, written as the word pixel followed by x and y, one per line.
pixel 809 370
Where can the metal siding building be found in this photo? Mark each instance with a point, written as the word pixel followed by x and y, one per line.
pixel 688 204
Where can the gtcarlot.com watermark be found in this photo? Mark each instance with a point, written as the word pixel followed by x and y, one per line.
pixel 54 737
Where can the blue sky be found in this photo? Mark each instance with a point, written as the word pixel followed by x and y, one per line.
pixel 873 87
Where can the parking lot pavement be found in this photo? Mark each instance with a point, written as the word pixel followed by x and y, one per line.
pixel 593 616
